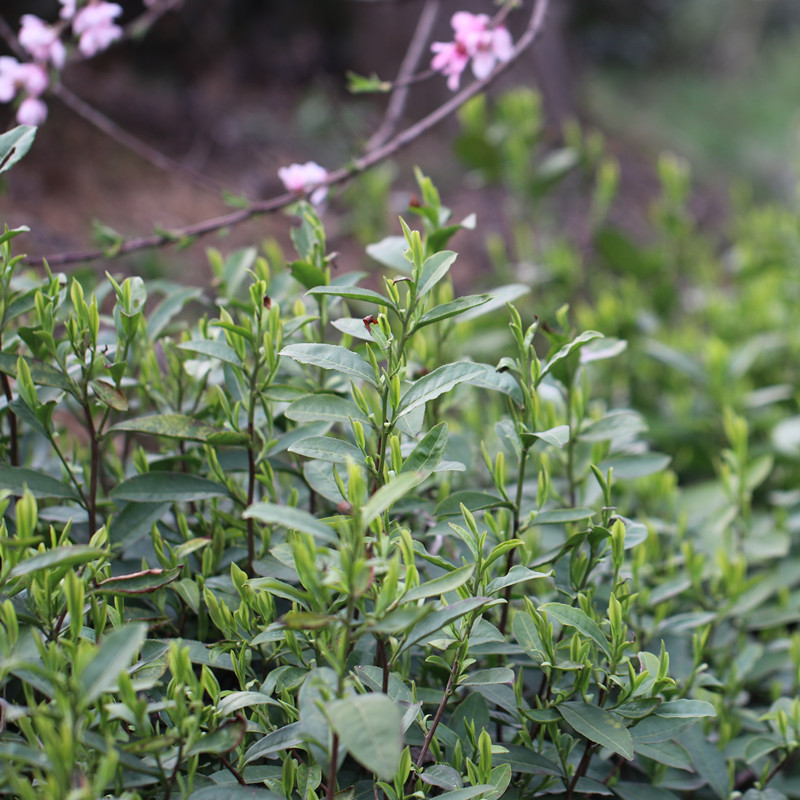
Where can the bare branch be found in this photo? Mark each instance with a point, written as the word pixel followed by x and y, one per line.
pixel 366 161
pixel 155 157
pixel 399 97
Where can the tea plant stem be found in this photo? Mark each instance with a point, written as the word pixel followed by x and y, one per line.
pixel 228 766
pixel 448 690
pixel 13 445
pixel 580 771
pixel 94 466
pixel 330 791
pixel 370 159
pixel 515 530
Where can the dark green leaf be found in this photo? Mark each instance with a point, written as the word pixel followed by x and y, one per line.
pixel 293 518
pixel 369 726
pixel 173 426
pixel 575 618
pixel 525 761
pixel 175 487
pixel 282 739
pixel 433 623
pixel 354 293
pixel 109 395
pixel 222 740
pixel 598 725
pixel 117 651
pixel 326 448
pixel 142 582
pixel 333 357
pixel 15 479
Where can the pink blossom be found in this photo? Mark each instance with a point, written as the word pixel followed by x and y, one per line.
pixel 67 9
pixel 32 111
pixel 304 178
pixel 474 39
pixel 96 27
pixel 9 68
pixel 42 40
pixel 30 78
pixel 451 59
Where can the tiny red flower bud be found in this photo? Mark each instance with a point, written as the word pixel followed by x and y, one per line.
pixel 344 507
pixel 369 320
pixel 267 302
pixel 414 202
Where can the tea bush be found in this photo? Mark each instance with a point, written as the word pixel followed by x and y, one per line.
pixel 289 537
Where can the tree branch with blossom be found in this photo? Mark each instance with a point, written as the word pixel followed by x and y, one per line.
pixel 370 158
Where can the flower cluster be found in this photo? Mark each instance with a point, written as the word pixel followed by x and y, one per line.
pixel 93 25
pixel 305 178
pixel 475 39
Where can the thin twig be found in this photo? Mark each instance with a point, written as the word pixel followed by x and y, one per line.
pixel 365 162
pixel 155 157
pixel 10 38
pixel 399 96
pixel 448 690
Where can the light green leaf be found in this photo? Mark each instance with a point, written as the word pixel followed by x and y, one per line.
pixel 15 144
pixel 451 309
pixel 332 357
pixel 498 381
pixel 433 623
pixel 391 253
pixel 598 725
pixel 117 652
pixel 560 515
pixel 235 701
pixel 41 373
pixel 175 487
pixel 213 348
pixel 326 448
pixel 388 495
pixel 441 585
pixel 429 452
pixel 68 555
pixel 569 348
pixel 517 574
pixel 686 709
pixel 354 293
pixel 434 269
pixel 635 466
pixel 575 618
pixel 370 727
pixel 289 517
pixel 222 740
pixel 438 382
pixel 324 407
pixel 557 436
pixel 527 636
